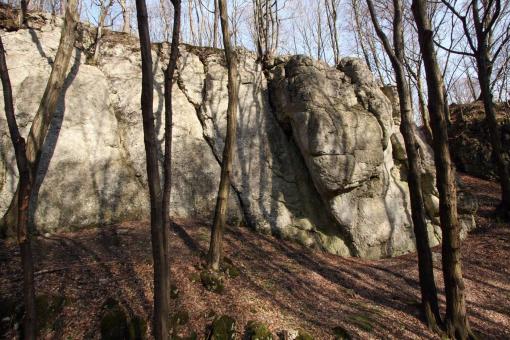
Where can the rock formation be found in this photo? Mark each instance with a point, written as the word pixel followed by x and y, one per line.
pixel 319 158
pixel 470 138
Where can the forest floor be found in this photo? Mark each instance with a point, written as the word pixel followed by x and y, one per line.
pixel 280 283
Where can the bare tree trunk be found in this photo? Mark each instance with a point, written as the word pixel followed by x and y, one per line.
pixel 215 248
pixel 100 26
pixel 485 52
pixel 215 24
pixel 495 133
pixel 126 17
pixel 331 16
pixel 425 266
pixel 169 77
pixel 24 236
pixel 359 33
pixel 457 325
pixel 423 108
pixel 484 30
pixel 266 29
pixel 24 13
pixel 159 235
pixel 44 115
pixel 191 26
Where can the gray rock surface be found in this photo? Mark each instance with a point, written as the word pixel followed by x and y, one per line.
pixel 316 158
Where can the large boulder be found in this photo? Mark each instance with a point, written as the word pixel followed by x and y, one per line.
pixel 316 158
pixel 342 123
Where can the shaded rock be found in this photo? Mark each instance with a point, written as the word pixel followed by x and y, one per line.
pixel 48 307
pixel 222 328
pixel 341 333
pixel 230 270
pixel 469 138
pixel 174 291
pixel 117 324
pixel 212 282
pixel 179 318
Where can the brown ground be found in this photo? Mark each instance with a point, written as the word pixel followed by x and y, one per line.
pixel 281 283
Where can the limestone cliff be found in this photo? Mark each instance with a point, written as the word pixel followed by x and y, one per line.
pixel 318 159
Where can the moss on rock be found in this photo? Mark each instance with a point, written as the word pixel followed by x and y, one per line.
pixel 116 323
pixel 302 335
pixel 222 328
pixel 48 307
pixel 174 292
pixel 179 318
pixel 341 333
pixel 212 282
pixel 257 331
pixel 231 271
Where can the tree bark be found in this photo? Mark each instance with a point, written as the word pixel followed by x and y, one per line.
pixel 457 324
pixel 169 77
pixel 159 234
pixel 126 17
pixel 24 236
pixel 99 33
pixel 215 248
pixel 425 266
pixel 215 24
pixel 425 117
pixel 24 13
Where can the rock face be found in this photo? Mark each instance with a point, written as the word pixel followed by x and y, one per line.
pixel 470 138
pixel 342 124
pixel 319 158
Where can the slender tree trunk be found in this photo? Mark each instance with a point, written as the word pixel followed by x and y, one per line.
pixel 495 133
pixel 169 77
pixel 24 236
pixel 215 24
pixel 425 266
pixel 457 325
pixel 126 17
pixel 99 34
pixel 215 248
pixel 359 33
pixel 47 107
pixel 159 235
pixel 24 13
pixel 423 108
pixel 191 26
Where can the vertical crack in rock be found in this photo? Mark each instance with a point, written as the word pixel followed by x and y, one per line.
pixel 198 106
pixel 119 133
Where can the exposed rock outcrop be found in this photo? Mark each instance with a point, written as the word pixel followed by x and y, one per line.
pixel 470 138
pixel 319 157
pixel 342 123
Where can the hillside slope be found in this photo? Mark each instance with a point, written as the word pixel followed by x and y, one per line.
pixel 282 284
